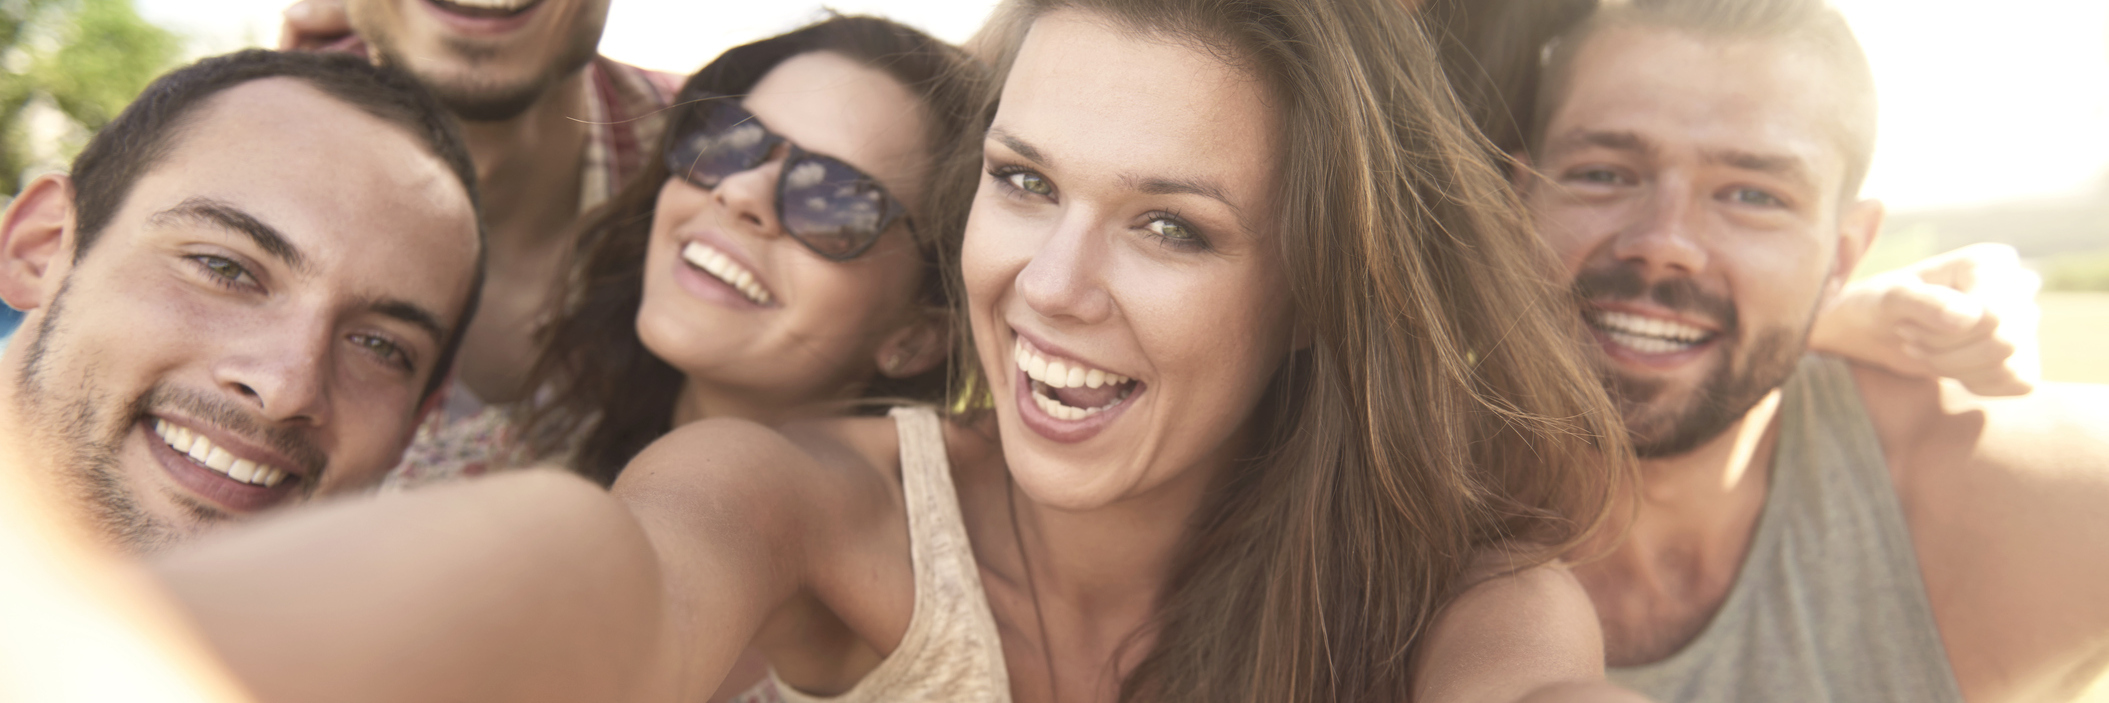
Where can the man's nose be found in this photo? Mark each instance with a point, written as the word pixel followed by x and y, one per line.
pixel 1667 238
pixel 282 371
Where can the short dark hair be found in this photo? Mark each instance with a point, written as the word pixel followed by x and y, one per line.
pixel 1810 26
pixel 1510 58
pixel 148 131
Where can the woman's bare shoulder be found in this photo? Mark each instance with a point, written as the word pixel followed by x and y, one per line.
pixel 1518 629
pixel 750 468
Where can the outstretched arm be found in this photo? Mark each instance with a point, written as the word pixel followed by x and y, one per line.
pixel 530 586
pixel 1969 314
pixel 1528 637
pixel 522 587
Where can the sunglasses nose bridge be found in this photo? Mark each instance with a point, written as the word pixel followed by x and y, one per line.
pixel 750 196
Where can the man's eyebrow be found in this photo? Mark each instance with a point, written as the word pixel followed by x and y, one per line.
pixel 1785 166
pixel 1013 143
pixel 412 313
pixel 226 215
pixel 1615 141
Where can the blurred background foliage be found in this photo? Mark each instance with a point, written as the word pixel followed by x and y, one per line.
pixel 71 66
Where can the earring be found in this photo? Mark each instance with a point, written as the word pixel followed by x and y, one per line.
pixel 895 361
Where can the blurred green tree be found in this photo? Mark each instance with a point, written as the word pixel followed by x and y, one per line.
pixel 87 58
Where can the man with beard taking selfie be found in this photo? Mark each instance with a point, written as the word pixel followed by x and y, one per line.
pixel 1808 528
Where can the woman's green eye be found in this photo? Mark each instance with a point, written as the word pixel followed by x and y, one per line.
pixel 1030 183
pixel 1170 229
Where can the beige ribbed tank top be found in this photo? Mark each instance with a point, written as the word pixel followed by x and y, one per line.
pixel 1829 605
pixel 951 652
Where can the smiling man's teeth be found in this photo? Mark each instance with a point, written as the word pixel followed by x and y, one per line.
pixel 723 268
pixel 205 453
pixel 499 5
pixel 1056 374
pixel 1646 334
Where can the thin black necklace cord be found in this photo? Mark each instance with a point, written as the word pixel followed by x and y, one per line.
pixel 1010 499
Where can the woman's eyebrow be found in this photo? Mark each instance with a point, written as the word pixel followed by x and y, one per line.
pixel 1181 186
pixel 1015 144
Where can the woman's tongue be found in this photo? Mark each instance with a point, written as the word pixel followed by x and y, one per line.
pixel 1088 397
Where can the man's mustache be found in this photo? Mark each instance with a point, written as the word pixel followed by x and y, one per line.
pixel 1677 294
pixel 296 445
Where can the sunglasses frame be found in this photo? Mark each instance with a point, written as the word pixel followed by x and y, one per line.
pixel 698 108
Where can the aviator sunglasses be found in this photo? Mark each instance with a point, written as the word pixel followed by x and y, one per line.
pixel 829 206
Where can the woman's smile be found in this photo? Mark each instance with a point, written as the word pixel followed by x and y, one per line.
pixel 1067 399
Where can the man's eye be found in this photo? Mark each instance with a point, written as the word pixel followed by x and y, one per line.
pixel 1753 196
pixel 383 349
pixel 225 271
pixel 1029 182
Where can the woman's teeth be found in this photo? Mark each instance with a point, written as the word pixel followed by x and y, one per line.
pixel 1647 335
pixel 1050 376
pixel 722 267
pixel 205 453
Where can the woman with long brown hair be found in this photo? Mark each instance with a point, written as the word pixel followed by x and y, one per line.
pixel 1270 401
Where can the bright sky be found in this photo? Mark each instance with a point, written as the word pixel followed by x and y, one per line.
pixel 1981 101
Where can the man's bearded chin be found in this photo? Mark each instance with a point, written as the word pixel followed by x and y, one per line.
pixel 472 95
pixel 1664 426
pixel 85 434
pixel 1752 363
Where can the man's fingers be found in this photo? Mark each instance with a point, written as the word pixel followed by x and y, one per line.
pixel 1943 313
pixel 1983 366
pixel 313 24
pixel 1968 268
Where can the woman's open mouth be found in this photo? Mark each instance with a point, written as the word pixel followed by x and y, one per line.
pixel 727 270
pixel 1068 389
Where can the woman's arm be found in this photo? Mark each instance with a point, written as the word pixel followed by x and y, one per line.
pixel 1529 636
pixel 530 586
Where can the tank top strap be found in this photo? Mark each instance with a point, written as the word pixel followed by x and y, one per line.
pixel 951 652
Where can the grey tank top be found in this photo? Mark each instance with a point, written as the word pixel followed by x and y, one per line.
pixel 1829 605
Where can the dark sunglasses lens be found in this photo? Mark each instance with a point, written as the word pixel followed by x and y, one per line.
pixel 832 207
pixel 720 140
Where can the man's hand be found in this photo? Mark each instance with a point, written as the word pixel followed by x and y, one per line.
pixel 1969 314
pixel 317 25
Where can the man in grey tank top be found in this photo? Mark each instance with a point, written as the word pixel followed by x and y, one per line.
pixel 1808 529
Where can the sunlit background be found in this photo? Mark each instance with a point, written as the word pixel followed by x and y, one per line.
pixel 1995 118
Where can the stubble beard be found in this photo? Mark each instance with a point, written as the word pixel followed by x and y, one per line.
pixel 86 436
pixel 473 97
pixel 1714 405
pixel 1758 362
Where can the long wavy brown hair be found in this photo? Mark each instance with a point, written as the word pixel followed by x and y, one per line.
pixel 1444 411
pixel 606 395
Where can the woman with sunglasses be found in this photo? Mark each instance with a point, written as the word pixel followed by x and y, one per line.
pixel 1276 405
pixel 777 261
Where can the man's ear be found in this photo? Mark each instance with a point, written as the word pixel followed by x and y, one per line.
pixel 1857 227
pixel 36 237
pixel 916 347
